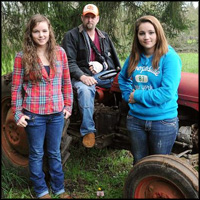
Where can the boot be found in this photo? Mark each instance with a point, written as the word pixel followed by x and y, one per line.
pixel 89 140
pixel 46 196
pixel 65 196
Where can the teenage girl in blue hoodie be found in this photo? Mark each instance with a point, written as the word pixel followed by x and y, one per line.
pixel 149 83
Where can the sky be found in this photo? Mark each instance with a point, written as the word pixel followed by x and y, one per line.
pixel 195 3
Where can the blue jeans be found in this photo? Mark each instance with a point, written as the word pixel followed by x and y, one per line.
pixel 86 96
pixel 151 137
pixel 46 128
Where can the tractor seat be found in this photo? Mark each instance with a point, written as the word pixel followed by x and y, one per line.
pixel 100 93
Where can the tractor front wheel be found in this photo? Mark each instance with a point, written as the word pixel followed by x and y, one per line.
pixel 161 176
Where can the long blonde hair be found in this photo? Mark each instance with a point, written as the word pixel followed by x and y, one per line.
pixel 161 46
pixel 30 58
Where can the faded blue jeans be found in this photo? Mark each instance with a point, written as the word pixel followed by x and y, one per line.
pixel 86 96
pixel 46 128
pixel 151 137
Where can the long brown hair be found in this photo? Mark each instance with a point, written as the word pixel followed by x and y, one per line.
pixel 30 57
pixel 161 46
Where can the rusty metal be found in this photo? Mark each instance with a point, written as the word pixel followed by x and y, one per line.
pixel 157 188
pixel 188 90
pixel 195 136
pixel 8 78
pixel 14 139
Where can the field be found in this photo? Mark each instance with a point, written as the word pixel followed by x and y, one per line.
pixel 189 60
pixel 87 169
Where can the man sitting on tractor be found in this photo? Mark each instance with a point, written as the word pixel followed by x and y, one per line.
pixel 90 54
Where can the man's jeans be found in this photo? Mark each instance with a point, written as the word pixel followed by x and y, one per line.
pixel 86 96
pixel 46 128
pixel 151 137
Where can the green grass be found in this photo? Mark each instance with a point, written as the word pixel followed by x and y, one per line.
pixel 190 62
pixel 14 186
pixel 88 169
pixel 7 64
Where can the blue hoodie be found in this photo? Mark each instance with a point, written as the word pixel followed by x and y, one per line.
pixel 156 91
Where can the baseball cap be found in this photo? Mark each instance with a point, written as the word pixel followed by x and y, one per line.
pixel 90 8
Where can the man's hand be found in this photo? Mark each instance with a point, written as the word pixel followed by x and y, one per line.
pixel 95 67
pixel 88 80
pixel 22 122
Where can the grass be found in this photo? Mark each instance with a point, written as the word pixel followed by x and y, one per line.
pixel 90 169
pixel 14 186
pixel 190 62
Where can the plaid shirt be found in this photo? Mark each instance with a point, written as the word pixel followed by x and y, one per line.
pixel 48 96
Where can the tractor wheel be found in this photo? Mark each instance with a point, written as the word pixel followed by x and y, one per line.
pixel 14 143
pixel 13 138
pixel 161 176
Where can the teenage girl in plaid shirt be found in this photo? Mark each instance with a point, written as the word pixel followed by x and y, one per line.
pixel 41 72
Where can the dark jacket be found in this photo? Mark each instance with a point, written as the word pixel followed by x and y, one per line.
pixel 77 47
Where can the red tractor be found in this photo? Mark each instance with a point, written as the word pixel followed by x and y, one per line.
pixel 156 176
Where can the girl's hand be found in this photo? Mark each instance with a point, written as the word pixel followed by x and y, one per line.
pixel 131 97
pixel 66 114
pixel 22 122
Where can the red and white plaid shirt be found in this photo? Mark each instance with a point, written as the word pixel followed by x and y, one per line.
pixel 48 96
